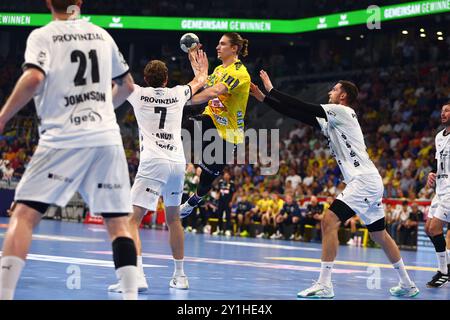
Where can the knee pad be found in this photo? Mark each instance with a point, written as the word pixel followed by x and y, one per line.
pixel 124 252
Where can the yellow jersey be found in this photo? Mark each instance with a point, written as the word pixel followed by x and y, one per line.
pixel 264 204
pixel 228 110
pixel 277 206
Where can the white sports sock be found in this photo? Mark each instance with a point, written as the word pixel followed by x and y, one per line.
pixel 128 282
pixel 179 271
pixel 10 270
pixel 402 274
pixel 326 268
pixel 442 261
pixel 139 265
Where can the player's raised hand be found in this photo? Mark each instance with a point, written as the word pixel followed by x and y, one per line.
pixel 266 80
pixel 256 92
pixel 200 65
pixel 202 61
pixel 193 58
pixel 431 180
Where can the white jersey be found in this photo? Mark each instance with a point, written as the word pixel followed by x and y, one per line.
pixel 74 105
pixel 346 141
pixel 443 164
pixel 159 112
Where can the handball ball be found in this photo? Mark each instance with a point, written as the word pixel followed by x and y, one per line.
pixel 189 41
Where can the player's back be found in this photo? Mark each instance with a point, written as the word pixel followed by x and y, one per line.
pixel 159 113
pixel 346 140
pixel 74 105
pixel 443 163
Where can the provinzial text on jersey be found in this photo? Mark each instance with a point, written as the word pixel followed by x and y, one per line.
pixel 156 100
pixel 88 96
pixel 77 37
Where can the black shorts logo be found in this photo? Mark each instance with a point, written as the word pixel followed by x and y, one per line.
pixel 58 177
pixel 109 186
pixel 152 191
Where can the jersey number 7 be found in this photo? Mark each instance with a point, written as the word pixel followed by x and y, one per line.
pixel 163 112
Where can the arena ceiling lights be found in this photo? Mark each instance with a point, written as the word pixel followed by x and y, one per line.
pixel 340 20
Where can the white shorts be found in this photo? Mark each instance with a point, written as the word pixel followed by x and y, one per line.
pixel 99 174
pixel 440 208
pixel 364 196
pixel 158 178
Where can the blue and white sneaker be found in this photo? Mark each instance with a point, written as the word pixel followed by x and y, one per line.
pixel 317 291
pixel 185 210
pixel 405 290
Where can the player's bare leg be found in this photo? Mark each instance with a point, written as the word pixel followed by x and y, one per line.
pixel 330 242
pixel 15 248
pixel 134 221
pixel 435 231
pixel 323 288
pixel 124 253
pixel 176 234
pixel 406 286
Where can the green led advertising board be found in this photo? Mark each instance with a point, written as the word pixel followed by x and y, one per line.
pixel 339 20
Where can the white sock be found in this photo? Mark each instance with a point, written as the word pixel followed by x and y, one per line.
pixel 448 255
pixel 326 268
pixel 179 271
pixel 10 270
pixel 128 282
pixel 401 271
pixel 139 265
pixel 442 261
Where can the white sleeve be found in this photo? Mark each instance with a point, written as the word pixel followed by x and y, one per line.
pixel 184 93
pixel 134 97
pixel 37 53
pixel 336 114
pixel 322 123
pixel 119 64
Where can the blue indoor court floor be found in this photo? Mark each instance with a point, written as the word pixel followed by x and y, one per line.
pixel 73 261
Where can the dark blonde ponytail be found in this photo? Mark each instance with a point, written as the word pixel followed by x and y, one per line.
pixel 237 40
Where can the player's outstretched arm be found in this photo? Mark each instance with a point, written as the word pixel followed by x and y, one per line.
pixel 122 88
pixel 209 93
pixel 294 113
pixel 314 109
pixel 23 92
pixel 266 80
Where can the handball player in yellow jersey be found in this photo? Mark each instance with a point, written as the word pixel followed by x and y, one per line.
pixel 226 93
